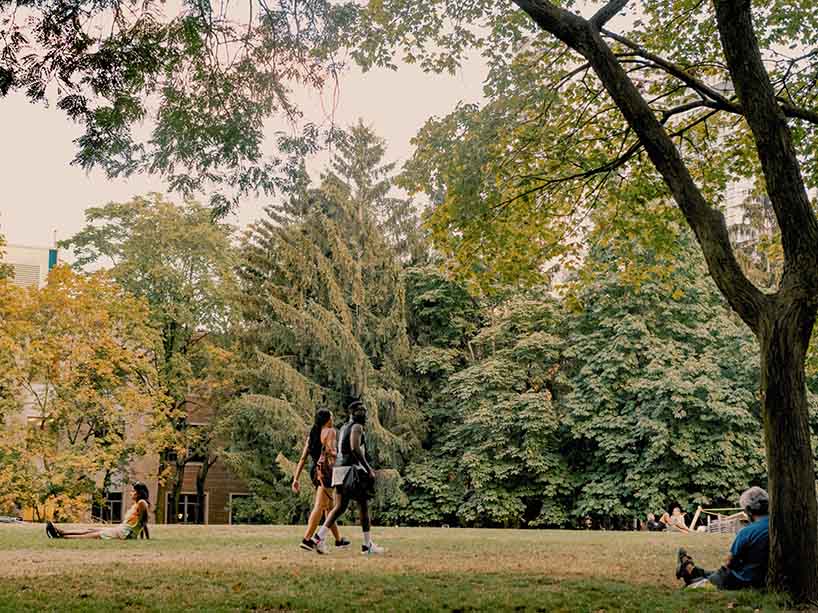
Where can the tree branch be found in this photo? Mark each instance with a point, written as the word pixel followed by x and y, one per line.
pixel 776 152
pixel 607 12
pixel 702 88
pixel 707 223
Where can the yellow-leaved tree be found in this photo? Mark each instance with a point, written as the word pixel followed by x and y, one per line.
pixel 78 390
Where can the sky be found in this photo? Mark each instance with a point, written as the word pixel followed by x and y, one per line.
pixel 40 191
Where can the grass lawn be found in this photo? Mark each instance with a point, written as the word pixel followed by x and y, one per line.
pixel 260 568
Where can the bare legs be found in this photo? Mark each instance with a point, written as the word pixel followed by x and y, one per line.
pixel 91 534
pixel 341 505
pixel 321 508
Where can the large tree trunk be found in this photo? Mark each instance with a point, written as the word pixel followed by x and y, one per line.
pixel 784 338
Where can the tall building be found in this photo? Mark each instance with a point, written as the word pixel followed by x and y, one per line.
pixel 30 265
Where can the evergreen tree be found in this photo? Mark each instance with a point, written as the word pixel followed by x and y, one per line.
pixel 324 312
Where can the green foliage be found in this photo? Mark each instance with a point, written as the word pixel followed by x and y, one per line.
pixel 206 76
pixel 323 305
pixel 662 404
pixel 181 262
pixel 500 437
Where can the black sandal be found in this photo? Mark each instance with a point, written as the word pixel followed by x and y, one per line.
pixel 684 560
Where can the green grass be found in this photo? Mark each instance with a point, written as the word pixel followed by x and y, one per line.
pixel 260 568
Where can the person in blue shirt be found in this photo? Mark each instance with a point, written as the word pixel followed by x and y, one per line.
pixel 746 564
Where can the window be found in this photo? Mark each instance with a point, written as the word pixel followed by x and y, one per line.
pixel 187 510
pixel 242 510
pixel 108 510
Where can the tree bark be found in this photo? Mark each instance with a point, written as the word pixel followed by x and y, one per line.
pixel 201 481
pixel 784 338
pixel 782 322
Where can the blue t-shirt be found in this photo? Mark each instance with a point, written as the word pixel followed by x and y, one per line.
pixel 750 551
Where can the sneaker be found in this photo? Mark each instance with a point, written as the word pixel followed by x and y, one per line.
pixel 682 561
pixel 342 543
pixel 307 544
pixel 373 549
pixel 319 547
pixel 51 531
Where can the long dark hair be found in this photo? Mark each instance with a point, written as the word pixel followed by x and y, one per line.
pixel 322 416
pixel 141 491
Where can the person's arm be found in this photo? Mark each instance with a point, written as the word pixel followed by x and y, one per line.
pixel 145 534
pixel 296 485
pixel 355 444
pixel 736 550
pixel 330 445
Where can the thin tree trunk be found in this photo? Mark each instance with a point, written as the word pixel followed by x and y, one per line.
pixel 161 491
pixel 175 494
pixel 784 340
pixel 201 480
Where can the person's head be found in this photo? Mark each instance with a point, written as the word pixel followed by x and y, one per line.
pixel 651 517
pixel 755 502
pixel 677 511
pixel 357 412
pixel 323 419
pixel 139 491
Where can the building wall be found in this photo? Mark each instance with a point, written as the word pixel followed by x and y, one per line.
pixel 30 265
pixel 218 487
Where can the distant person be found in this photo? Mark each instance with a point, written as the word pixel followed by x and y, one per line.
pixel 134 526
pixel 675 522
pixel 353 479
pixel 321 448
pixel 654 525
pixel 746 564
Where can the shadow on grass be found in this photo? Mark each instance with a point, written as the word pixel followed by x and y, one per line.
pixel 254 590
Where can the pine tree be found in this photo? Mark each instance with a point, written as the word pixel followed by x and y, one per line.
pixel 324 311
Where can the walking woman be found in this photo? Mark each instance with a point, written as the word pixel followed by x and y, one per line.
pixel 134 525
pixel 353 479
pixel 320 447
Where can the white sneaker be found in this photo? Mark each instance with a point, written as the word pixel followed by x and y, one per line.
pixel 320 547
pixel 373 549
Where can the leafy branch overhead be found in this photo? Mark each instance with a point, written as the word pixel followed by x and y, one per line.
pixel 205 77
pixel 552 145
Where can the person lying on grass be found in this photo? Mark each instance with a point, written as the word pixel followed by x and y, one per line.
pixel 746 564
pixel 134 526
pixel 676 521
pixel 653 525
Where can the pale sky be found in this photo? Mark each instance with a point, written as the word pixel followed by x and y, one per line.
pixel 41 192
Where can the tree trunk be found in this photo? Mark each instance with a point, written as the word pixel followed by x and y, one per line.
pixel 161 490
pixel 784 338
pixel 175 493
pixel 201 480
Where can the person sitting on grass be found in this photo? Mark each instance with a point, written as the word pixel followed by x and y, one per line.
pixel 746 564
pixel 675 522
pixel 653 525
pixel 134 526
